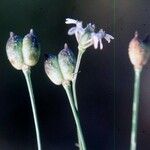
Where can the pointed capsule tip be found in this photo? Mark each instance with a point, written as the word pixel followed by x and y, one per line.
pixel 31 31
pixel 11 34
pixel 136 34
pixel 65 46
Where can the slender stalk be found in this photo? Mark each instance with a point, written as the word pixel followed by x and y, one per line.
pixel 27 75
pixel 75 78
pixel 74 87
pixel 75 115
pixel 135 109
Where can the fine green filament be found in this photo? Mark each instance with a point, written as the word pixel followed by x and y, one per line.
pixel 75 115
pixel 135 109
pixel 27 75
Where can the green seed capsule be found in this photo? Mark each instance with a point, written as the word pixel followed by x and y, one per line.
pixel 14 51
pixel 67 63
pixel 139 51
pixel 52 69
pixel 30 49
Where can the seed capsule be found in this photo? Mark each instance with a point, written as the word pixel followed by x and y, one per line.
pixel 52 69
pixel 30 49
pixel 14 51
pixel 139 52
pixel 67 63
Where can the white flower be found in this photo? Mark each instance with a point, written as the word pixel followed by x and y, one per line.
pixel 77 30
pixel 97 38
pixel 85 40
pixel 87 36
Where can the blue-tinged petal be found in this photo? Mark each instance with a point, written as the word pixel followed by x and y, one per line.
pixel 100 43
pixel 101 34
pixel 108 38
pixel 95 40
pixel 72 31
pixel 79 24
pixel 78 33
pixel 70 21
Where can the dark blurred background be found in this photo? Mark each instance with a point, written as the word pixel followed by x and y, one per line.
pixel 104 84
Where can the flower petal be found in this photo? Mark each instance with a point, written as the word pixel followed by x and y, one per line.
pixel 78 36
pixel 95 40
pixel 70 21
pixel 80 30
pixel 101 44
pixel 90 28
pixel 78 33
pixel 72 31
pixel 79 24
pixel 101 34
pixel 108 38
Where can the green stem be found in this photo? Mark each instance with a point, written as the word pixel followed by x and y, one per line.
pixel 135 109
pixel 74 87
pixel 76 115
pixel 75 78
pixel 27 73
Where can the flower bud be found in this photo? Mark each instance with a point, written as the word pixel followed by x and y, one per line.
pixel 52 69
pixel 67 63
pixel 14 51
pixel 139 52
pixel 30 49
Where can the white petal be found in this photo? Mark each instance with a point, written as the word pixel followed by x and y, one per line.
pixel 90 27
pixel 101 34
pixel 101 44
pixel 108 38
pixel 93 26
pixel 79 24
pixel 80 30
pixel 78 35
pixel 101 31
pixel 72 31
pixel 95 40
pixel 70 21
